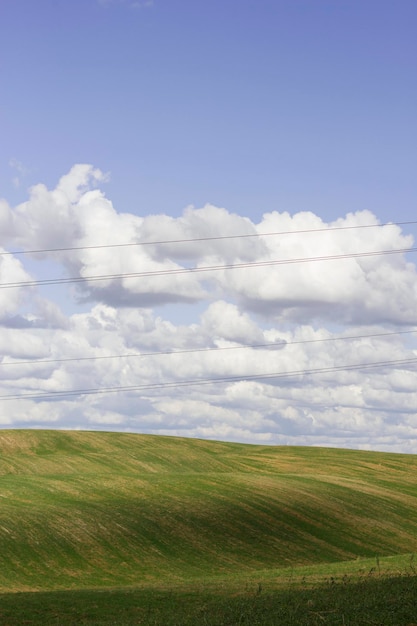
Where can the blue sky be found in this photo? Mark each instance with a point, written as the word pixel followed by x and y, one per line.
pixel 132 121
pixel 256 106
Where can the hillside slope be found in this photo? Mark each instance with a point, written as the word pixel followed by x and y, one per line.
pixel 97 509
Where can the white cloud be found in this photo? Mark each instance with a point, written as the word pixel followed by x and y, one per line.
pixel 302 308
pixel 357 290
pixel 223 320
pixel 6 222
pixel 11 271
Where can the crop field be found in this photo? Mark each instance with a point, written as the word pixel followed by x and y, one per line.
pixel 211 530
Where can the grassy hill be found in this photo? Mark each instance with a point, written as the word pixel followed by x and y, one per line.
pixel 84 509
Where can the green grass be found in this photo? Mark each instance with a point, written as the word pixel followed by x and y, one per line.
pixel 362 597
pixel 142 527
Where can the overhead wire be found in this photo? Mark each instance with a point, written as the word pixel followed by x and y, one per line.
pixel 99 390
pixel 207 381
pixel 276 344
pixel 200 239
pixel 209 268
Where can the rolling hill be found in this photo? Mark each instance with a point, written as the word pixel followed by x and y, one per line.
pixel 95 509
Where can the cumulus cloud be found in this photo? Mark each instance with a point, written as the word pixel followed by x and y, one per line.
pixel 223 320
pixel 11 272
pixel 48 219
pixel 315 275
pixel 147 339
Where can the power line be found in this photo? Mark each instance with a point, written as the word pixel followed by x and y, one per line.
pixel 206 381
pixel 209 268
pixel 277 344
pixel 199 239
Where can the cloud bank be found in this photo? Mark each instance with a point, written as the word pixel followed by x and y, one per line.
pixel 286 331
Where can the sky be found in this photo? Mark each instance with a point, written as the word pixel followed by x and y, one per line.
pixel 208 219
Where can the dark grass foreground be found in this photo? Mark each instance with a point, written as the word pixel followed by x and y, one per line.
pixel 379 601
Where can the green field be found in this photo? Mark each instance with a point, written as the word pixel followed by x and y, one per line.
pixel 207 522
